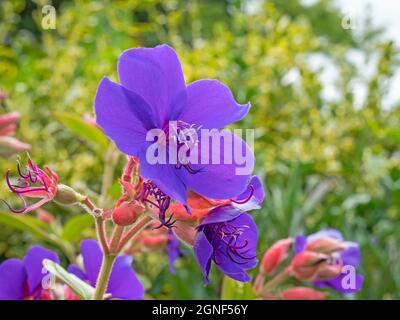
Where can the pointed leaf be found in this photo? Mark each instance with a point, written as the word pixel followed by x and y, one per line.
pixel 80 288
pixel 82 129
pixel 25 223
pixel 74 228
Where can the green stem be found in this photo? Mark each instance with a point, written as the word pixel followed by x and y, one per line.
pixel 104 276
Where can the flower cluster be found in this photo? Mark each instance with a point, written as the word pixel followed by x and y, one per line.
pixel 163 203
pixel 322 259
pixel 153 93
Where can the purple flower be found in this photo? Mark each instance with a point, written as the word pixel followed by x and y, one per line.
pixel 22 279
pixel 173 250
pixel 228 235
pixel 123 283
pixel 346 254
pixel 153 93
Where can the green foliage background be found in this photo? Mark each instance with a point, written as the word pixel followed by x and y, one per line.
pixel 325 164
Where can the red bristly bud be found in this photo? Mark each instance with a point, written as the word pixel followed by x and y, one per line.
pixel 274 256
pixel 44 216
pixel 327 272
pixel 154 241
pixel 306 264
pixel 302 293
pixel 127 213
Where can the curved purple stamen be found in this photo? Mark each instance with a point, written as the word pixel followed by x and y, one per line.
pixel 14 188
pixel 160 200
pixel 22 210
pixel 31 189
pixel 21 174
pixel 10 186
pixel 191 170
pixel 247 199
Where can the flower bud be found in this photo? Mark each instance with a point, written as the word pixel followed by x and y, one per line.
pixel 302 293
pixel 66 195
pixel 327 272
pixel 305 265
pixel 10 146
pixel 127 213
pixel 44 216
pixel 3 96
pixel 9 118
pixel 274 256
pixel 154 241
pixel 325 245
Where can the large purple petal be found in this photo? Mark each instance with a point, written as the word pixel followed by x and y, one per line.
pixel 244 257
pixel 337 284
pixel 227 175
pixel 211 105
pixel 123 282
pixel 33 262
pixel 204 252
pixel 329 233
pixel 167 178
pixel 256 193
pixel 351 255
pixel 92 258
pixel 156 75
pixel 12 280
pixel 124 116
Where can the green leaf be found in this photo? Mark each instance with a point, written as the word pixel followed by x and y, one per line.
pixel 74 228
pixel 235 290
pixel 25 223
pixel 80 288
pixel 82 129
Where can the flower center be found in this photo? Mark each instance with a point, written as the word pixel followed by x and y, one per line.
pixel 180 138
pixel 230 236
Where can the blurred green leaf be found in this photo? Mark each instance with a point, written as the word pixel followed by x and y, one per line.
pixel 82 129
pixel 74 227
pixel 79 287
pixel 235 290
pixel 25 223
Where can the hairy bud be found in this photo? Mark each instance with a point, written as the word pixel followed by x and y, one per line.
pixel 127 213
pixel 66 195
pixel 305 265
pixel 274 256
pixel 302 293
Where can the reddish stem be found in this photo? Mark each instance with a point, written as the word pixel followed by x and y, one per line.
pixel 139 226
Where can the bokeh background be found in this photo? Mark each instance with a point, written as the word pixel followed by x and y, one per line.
pixel 324 107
